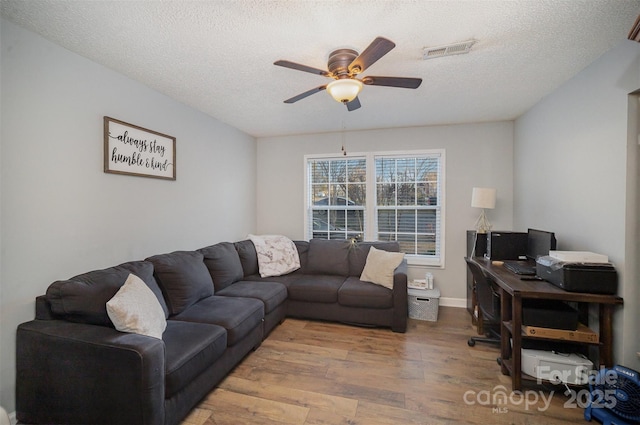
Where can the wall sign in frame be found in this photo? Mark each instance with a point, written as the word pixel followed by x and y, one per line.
pixel 137 151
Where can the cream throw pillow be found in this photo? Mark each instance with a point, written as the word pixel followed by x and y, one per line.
pixel 135 309
pixel 380 266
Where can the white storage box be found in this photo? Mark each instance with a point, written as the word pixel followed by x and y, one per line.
pixel 556 367
pixel 423 304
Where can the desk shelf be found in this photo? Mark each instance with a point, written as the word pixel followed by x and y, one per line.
pixel 524 335
pixel 532 380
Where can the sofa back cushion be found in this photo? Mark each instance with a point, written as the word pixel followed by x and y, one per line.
pixel 248 257
pixel 183 278
pixel 277 255
pixel 303 253
pixel 328 257
pixel 358 254
pixel 84 298
pixel 224 265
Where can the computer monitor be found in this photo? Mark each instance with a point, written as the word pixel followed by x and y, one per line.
pixel 539 243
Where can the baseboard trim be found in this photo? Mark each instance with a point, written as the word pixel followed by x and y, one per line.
pixel 453 302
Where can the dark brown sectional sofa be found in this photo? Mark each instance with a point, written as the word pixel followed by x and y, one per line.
pixel 73 366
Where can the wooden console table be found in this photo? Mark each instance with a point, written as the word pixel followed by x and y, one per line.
pixel 513 291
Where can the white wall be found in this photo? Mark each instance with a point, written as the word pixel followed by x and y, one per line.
pixel 572 176
pixel 61 215
pixel 476 155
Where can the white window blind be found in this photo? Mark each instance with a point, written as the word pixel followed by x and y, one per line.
pixel 408 202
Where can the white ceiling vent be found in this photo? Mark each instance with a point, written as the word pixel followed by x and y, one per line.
pixel 448 50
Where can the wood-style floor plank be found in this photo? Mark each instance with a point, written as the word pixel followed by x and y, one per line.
pixel 317 373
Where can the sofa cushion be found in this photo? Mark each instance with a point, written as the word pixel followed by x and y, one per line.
pixel 380 267
pixel 277 255
pixel 303 254
pixel 237 315
pixel 223 262
pixel 183 278
pixel 272 294
pixel 356 293
pixel 248 256
pixel 286 280
pixel 316 288
pixel 135 309
pixel 358 254
pixel 83 298
pixel 328 257
pixel 190 348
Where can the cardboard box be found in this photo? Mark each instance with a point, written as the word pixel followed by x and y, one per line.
pixel 582 334
pixel 417 284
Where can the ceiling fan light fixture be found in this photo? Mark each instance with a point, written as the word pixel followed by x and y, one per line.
pixel 344 90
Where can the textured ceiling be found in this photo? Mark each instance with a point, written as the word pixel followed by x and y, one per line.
pixel 217 56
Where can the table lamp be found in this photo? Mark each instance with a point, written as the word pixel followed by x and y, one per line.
pixel 485 198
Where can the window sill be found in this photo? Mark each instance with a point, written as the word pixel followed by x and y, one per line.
pixel 414 260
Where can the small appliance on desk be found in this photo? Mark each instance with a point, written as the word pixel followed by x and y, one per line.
pixel 578 271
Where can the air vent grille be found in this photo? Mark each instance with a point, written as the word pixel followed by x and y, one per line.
pixel 448 50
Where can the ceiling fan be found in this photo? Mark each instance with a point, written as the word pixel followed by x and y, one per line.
pixel 343 66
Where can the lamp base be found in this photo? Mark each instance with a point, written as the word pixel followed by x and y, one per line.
pixel 482 223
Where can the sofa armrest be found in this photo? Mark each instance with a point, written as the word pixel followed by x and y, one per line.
pixel 400 298
pixel 78 373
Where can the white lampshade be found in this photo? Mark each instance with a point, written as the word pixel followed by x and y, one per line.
pixel 344 90
pixel 483 197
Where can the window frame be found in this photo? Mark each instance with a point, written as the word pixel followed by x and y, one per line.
pixel 371 208
pixel 308 226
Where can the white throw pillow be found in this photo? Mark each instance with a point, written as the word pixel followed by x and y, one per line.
pixel 135 309
pixel 380 266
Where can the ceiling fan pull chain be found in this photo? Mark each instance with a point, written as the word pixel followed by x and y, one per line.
pixel 344 150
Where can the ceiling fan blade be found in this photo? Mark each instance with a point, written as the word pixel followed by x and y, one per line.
pixel 354 104
pixel 377 49
pixel 305 94
pixel 407 83
pixel 299 67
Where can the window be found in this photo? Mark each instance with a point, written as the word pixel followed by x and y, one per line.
pixel 380 196
pixel 337 201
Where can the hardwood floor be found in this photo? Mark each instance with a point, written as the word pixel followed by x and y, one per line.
pixel 318 373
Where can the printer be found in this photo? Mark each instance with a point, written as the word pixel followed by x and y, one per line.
pixel 578 271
